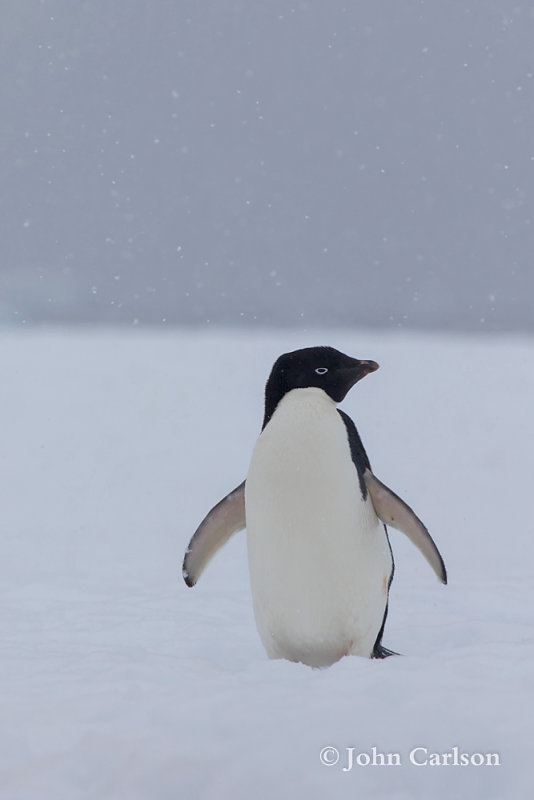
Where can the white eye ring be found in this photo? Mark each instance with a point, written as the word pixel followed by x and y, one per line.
pixel 321 370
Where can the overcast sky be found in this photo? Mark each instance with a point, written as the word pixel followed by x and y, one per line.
pixel 235 161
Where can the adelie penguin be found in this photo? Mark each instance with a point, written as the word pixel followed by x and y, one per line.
pixel 319 555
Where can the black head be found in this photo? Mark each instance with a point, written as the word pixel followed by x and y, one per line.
pixel 323 367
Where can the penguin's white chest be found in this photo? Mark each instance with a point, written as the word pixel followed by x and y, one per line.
pixel 319 558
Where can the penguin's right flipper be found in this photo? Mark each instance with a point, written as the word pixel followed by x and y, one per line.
pixel 395 512
pixel 224 519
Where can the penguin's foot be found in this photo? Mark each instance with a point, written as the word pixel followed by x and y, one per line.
pixel 382 652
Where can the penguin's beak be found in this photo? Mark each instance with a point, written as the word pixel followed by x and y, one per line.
pixel 350 375
pixel 367 367
pixel 360 370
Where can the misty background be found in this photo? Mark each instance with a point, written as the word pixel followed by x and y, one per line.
pixel 269 163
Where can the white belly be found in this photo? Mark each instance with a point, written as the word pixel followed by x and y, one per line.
pixel 318 556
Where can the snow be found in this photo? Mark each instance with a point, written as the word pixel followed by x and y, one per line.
pixel 120 682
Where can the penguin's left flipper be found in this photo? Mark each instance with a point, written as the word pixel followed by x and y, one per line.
pixel 395 512
pixel 224 519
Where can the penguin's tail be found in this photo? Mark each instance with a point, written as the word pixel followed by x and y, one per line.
pixel 379 651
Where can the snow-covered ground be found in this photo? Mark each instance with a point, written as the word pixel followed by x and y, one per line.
pixel 119 682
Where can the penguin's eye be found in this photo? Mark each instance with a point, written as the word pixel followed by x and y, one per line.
pixel 321 370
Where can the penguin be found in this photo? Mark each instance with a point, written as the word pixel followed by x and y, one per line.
pixel 319 555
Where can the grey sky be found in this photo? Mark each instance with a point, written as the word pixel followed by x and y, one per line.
pixel 308 163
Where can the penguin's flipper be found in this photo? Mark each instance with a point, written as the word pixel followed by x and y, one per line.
pixel 395 512
pixel 224 519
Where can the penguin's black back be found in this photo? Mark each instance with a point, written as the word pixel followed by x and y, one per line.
pixel 357 451
pixel 361 462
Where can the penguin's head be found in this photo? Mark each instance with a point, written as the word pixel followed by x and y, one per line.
pixel 321 367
